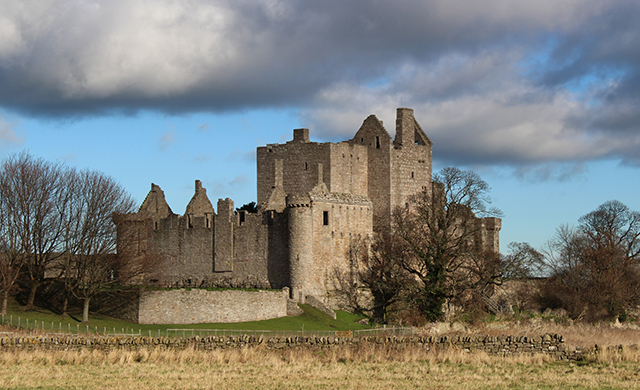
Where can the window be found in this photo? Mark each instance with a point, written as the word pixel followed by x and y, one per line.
pixel 306 166
pixel 377 142
pixel 412 175
pixel 325 218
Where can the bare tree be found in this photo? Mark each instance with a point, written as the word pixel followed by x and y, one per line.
pixel 12 253
pixel 441 237
pixel 35 204
pixel 596 266
pixel 384 275
pixel 522 261
pixel 90 261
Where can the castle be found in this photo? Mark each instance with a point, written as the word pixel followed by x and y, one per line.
pixel 314 200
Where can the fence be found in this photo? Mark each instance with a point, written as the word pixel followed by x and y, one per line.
pixel 24 324
pixel 395 331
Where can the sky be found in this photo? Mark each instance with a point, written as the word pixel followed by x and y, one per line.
pixel 541 98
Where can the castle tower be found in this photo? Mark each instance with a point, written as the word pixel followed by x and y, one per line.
pixel 300 245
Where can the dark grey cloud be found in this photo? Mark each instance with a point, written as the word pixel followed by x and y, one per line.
pixel 492 82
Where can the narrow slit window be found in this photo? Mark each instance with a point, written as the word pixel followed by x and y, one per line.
pixel 325 218
pixel 377 142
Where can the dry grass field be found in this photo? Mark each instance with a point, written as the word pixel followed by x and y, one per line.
pixel 365 367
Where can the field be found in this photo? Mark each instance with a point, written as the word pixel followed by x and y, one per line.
pixel 370 368
pixel 346 367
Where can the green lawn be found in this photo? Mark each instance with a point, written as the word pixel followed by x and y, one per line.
pixel 311 320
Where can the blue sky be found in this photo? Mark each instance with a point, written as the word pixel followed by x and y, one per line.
pixel 540 98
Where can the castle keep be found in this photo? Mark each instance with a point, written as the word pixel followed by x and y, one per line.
pixel 314 201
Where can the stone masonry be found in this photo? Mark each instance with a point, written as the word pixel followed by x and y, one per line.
pixel 202 306
pixel 548 344
pixel 314 201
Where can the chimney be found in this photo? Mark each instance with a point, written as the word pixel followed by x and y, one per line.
pixel 405 130
pixel 301 135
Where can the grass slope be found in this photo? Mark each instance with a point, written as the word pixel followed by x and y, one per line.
pixel 311 320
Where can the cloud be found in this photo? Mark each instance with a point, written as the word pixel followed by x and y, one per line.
pixel 224 187
pixel 239 181
pixel 8 135
pixel 166 140
pixel 202 158
pixel 204 127
pixel 243 155
pixel 511 83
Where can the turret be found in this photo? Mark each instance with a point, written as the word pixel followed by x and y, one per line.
pixel 300 244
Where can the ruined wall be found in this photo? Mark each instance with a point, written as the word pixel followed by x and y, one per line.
pixel 339 220
pixel 250 250
pixel 186 245
pixel 373 136
pixel 348 169
pixel 491 233
pixel 224 237
pixel 345 167
pixel 411 160
pixel 202 306
pixel 300 166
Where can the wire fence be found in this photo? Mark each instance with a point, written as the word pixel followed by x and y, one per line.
pixel 60 329
pixel 50 327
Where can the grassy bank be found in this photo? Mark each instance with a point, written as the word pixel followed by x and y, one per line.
pixel 311 320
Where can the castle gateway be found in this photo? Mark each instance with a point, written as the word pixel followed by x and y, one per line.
pixel 314 201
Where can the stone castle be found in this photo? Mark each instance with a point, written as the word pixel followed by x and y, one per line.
pixel 314 201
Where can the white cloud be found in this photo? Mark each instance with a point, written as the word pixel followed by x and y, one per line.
pixel 494 81
pixel 8 135
pixel 166 140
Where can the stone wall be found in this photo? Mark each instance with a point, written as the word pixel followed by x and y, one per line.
pixel 551 345
pixel 202 306
pixel 186 245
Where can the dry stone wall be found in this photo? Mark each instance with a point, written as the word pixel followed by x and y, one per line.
pixel 551 345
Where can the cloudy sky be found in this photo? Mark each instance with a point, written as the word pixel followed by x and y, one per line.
pixel 542 98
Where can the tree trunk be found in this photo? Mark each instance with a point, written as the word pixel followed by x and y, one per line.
pixel 85 310
pixel 5 298
pixel 32 296
pixel 65 305
pixel 379 309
